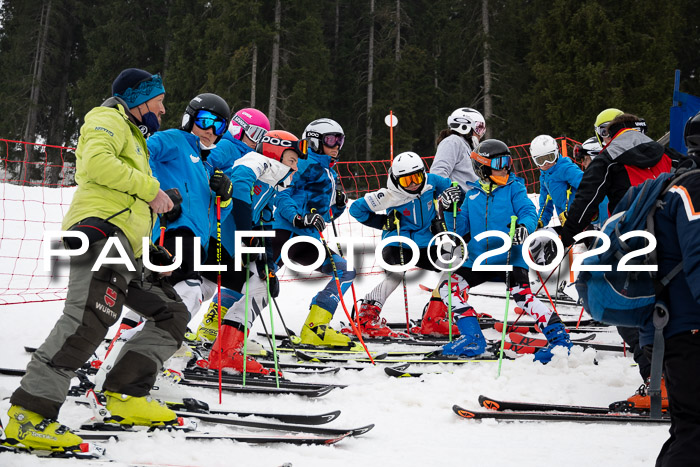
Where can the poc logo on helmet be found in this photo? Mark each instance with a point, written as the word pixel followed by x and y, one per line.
pixel 276 141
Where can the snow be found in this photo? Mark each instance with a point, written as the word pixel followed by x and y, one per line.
pixel 415 425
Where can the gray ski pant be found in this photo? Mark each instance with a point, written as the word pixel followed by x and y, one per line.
pixel 94 303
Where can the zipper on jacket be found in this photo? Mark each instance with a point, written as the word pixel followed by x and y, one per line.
pixel 486 221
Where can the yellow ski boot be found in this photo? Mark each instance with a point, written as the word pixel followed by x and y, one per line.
pixel 142 411
pixel 35 431
pixel 316 330
pixel 209 327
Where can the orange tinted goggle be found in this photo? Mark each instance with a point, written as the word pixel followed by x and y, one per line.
pixel 416 178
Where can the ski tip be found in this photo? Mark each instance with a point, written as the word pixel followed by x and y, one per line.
pixel 464 413
pixel 489 403
pixel 330 416
pixel 362 430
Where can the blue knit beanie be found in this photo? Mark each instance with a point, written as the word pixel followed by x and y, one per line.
pixel 136 86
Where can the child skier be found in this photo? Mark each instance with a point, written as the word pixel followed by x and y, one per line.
pixel 303 209
pixel 274 162
pixel 247 128
pixel 410 211
pixel 493 200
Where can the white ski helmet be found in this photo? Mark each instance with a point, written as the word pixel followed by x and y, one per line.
pixel 317 130
pixel 544 149
pixel 591 147
pixel 466 119
pixel 406 169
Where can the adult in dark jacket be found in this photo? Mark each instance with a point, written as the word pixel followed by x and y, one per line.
pixel 627 160
pixel 677 226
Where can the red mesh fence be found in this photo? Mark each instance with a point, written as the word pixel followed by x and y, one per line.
pixel 36 188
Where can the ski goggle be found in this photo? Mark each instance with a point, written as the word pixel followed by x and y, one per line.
pixel 497 163
pixel 544 159
pixel 602 129
pixel 254 132
pixel 406 180
pixel 206 120
pixel 333 139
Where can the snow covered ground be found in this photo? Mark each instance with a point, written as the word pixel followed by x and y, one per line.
pixel 415 425
pixel 414 421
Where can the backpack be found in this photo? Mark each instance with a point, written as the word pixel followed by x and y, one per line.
pixel 629 298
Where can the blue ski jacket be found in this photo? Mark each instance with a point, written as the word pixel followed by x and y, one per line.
pixel 482 211
pixel 176 162
pixel 677 231
pixel 416 214
pixel 555 182
pixel 313 187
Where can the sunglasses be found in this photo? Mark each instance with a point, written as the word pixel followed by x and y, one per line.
pixel 334 139
pixel 497 163
pixel 406 180
pixel 206 120
pixel 544 159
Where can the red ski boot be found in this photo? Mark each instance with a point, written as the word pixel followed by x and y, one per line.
pixel 371 325
pixel 227 353
pixel 435 320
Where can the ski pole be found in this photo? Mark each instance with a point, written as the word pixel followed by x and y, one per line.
pixel 449 274
pixel 269 305
pixel 449 279
pixel 340 294
pixel 218 284
pixel 403 276
pixel 290 334
pixel 513 220
pixel 245 319
pixel 352 286
pixel 545 286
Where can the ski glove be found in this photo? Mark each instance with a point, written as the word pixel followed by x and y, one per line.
pixel 448 197
pixel 391 221
pixel 438 226
pixel 176 211
pixel 309 220
pixel 520 234
pixel 562 218
pixel 221 185
pixel 160 256
pixel 341 199
pixel 260 263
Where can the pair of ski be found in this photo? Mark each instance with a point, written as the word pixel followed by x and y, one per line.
pixel 531 411
pixel 522 344
pixel 305 431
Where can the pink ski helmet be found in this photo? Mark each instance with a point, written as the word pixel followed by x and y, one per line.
pixel 251 121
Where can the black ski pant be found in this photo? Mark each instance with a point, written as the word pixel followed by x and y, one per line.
pixel 93 303
pixel 631 337
pixel 682 376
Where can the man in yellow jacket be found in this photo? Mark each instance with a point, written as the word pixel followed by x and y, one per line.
pixel 117 197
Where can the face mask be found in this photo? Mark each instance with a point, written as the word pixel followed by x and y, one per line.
pixel 499 180
pixel 277 173
pixel 206 148
pixel 150 121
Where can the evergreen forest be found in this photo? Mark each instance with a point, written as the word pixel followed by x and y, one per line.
pixel 530 66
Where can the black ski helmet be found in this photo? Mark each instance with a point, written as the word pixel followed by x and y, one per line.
pixel 206 101
pixel 484 152
pixel 691 135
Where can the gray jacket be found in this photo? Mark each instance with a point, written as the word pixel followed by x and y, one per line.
pixel 453 161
